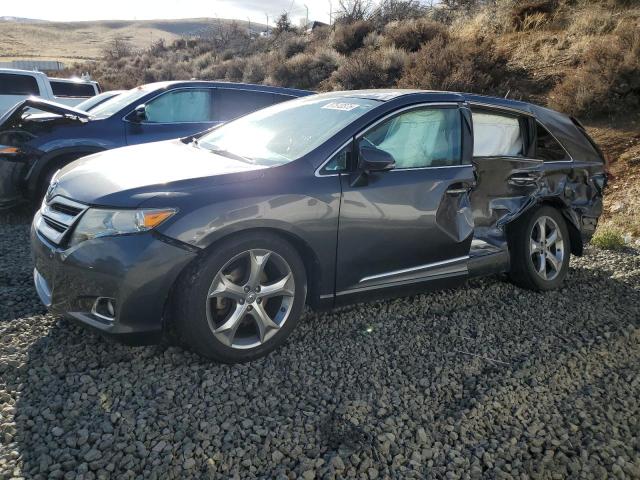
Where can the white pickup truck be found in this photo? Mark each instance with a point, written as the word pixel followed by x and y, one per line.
pixel 16 85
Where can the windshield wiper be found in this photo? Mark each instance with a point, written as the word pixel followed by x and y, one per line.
pixel 228 154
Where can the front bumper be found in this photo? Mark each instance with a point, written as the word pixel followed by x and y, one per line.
pixel 136 270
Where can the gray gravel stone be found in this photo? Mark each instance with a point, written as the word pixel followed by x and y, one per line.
pixel 486 381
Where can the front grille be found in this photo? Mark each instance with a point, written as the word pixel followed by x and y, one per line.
pixel 58 227
pixel 57 216
pixel 66 209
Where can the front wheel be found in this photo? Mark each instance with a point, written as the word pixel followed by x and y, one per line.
pixel 540 249
pixel 243 300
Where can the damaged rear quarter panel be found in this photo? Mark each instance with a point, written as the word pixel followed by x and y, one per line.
pixel 508 187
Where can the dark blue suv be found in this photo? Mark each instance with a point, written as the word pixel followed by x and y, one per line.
pixel 33 145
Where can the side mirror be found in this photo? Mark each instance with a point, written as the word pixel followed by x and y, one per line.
pixel 372 159
pixel 139 113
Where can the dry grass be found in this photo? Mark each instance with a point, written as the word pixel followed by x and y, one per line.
pixel 87 40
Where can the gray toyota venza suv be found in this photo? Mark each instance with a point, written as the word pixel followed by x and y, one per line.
pixel 220 240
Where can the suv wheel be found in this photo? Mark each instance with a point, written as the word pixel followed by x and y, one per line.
pixel 243 300
pixel 540 249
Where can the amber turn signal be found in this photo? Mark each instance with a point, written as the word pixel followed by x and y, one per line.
pixel 153 218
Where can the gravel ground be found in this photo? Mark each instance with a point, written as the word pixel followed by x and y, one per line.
pixel 485 381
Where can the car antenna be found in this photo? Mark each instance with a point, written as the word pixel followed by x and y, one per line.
pixel 507 94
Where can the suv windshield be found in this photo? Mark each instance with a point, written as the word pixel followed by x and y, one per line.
pixel 286 131
pixel 118 102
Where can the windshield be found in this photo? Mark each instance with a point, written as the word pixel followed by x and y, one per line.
pixel 286 131
pixel 93 102
pixel 118 102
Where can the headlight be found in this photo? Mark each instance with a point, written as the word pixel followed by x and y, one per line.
pixel 98 222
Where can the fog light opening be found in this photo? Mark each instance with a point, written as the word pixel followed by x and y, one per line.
pixel 104 308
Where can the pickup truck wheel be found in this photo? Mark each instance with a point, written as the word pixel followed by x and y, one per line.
pixel 243 299
pixel 540 248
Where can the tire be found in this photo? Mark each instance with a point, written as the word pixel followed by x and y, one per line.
pixel 222 301
pixel 538 264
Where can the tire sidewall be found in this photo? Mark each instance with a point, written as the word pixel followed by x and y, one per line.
pixel 192 316
pixel 541 283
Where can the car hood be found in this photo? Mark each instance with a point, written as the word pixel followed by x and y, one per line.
pixel 14 114
pixel 130 175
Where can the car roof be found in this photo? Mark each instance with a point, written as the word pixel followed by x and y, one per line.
pixel 385 95
pixel 21 72
pixel 231 85
pixel 71 80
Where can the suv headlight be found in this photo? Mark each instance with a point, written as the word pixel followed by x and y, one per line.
pixel 98 222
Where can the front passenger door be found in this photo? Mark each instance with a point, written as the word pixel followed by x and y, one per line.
pixel 173 114
pixel 412 223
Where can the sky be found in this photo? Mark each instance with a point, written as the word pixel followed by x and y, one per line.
pixel 78 10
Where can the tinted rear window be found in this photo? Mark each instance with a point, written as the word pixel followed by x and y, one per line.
pixel 12 84
pixel 232 103
pixel 70 89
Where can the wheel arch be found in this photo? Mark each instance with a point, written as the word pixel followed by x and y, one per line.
pixel 308 256
pixel 55 159
pixel 575 238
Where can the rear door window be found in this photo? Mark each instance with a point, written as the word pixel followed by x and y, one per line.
pixel 12 84
pixel 497 135
pixel 190 105
pixel 233 103
pixel 547 147
pixel 71 89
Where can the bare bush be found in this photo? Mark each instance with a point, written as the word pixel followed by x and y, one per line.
pixel 118 47
pixel 349 37
pixel 396 11
pixel 350 11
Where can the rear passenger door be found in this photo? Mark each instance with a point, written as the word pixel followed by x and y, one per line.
pixel 173 114
pixel 507 174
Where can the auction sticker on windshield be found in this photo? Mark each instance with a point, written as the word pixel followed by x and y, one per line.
pixel 347 107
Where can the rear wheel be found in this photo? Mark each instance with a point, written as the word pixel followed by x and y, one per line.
pixel 540 250
pixel 243 300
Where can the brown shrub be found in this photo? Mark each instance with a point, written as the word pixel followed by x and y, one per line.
pixel 292 46
pixel 536 8
pixel 349 37
pixel 411 34
pixel 304 70
pixel 459 64
pixel 370 69
pixel 254 71
pixel 235 69
pixel 608 80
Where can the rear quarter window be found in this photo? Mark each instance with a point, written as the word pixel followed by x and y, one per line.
pixel 13 84
pixel 69 89
pixel 547 147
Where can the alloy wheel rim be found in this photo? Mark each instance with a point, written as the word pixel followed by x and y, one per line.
pixel 546 248
pixel 250 298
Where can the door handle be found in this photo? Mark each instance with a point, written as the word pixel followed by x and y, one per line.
pixel 460 188
pixel 520 179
